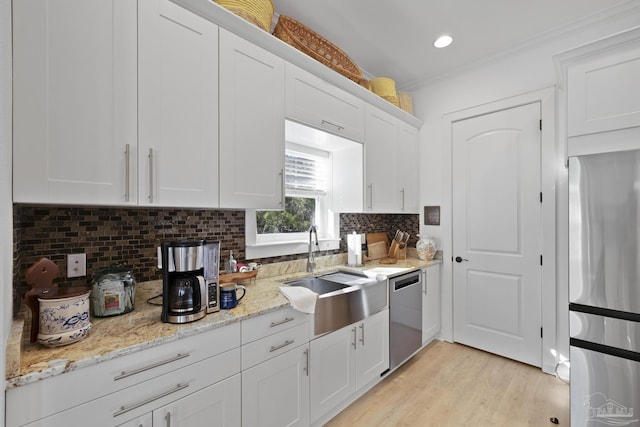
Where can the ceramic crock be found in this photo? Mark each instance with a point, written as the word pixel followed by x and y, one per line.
pixel 63 321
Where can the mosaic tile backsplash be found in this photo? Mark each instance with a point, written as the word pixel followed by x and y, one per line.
pixel 130 236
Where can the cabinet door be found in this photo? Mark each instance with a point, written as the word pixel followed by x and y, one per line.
pixel 604 91
pixel 313 101
pixel 333 375
pixel 407 168
pixel 430 303
pixel 372 354
pixel 276 392
pixel 178 107
pixel 216 405
pixel 251 125
pixel 381 154
pixel 74 102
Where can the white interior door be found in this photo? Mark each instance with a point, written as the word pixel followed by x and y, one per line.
pixel 497 229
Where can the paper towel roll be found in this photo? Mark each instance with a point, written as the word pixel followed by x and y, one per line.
pixel 354 249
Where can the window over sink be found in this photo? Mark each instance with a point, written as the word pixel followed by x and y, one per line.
pixel 315 161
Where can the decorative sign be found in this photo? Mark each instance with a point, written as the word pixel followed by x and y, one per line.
pixel 432 215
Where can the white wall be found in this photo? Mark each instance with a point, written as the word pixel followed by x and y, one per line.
pixel 523 70
pixel 6 217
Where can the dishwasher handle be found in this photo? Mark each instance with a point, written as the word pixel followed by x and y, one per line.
pixel 406 280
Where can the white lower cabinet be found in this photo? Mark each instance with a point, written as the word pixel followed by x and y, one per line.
pixel 275 369
pixel 430 303
pixel 346 360
pixel 276 392
pixel 128 389
pixel 216 406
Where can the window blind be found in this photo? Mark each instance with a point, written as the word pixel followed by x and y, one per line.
pixel 305 174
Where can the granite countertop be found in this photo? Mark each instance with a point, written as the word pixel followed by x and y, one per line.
pixel 111 337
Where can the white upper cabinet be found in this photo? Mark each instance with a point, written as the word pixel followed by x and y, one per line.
pixel 407 169
pixel 178 107
pixel 75 102
pixel 317 103
pixel 381 152
pixel 604 91
pixel 599 88
pixel 391 151
pixel 252 125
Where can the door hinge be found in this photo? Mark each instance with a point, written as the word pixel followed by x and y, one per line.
pixel 540 259
pixel 541 334
pixel 541 197
pixel 540 124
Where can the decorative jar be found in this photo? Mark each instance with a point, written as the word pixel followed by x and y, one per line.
pixel 426 247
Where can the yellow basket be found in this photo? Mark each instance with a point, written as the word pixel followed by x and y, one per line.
pixel 258 12
pixel 385 88
pixel 306 40
pixel 406 102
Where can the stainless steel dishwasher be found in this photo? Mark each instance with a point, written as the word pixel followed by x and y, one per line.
pixel 405 317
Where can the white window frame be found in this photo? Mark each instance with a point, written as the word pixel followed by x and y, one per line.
pixel 328 223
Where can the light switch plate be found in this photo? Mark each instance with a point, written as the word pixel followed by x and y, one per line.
pixel 76 265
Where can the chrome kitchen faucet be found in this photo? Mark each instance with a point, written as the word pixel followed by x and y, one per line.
pixel 311 265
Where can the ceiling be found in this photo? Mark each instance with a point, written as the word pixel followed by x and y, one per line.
pixel 395 38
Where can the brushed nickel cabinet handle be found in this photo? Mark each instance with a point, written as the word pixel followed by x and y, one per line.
pixel 150 175
pixel 278 347
pixel 403 199
pixel 282 322
pixel 370 196
pixel 127 157
pixel 306 355
pixel 282 183
pixel 168 419
pixel 337 127
pixel 125 374
pixel 362 335
pixel 355 338
pixel 127 408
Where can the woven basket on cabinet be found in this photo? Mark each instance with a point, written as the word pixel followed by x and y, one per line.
pixel 306 40
pixel 258 12
pixel 385 88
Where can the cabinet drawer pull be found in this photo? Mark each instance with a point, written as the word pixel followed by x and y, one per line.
pixel 282 188
pixel 338 127
pixel 278 347
pixel 370 196
pixel 362 338
pixel 402 198
pixel 126 408
pixel 125 374
pixel 286 320
pixel 306 355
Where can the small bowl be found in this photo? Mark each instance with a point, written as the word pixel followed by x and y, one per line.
pixel 65 338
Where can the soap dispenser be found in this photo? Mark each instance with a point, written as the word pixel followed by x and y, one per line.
pixel 232 264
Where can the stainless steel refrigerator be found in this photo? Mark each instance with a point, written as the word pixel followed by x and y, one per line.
pixel 604 289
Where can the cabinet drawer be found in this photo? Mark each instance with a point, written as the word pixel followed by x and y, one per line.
pixel 79 386
pixel 266 348
pixel 271 323
pixel 137 400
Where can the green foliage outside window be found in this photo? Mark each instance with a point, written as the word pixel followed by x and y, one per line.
pixel 297 217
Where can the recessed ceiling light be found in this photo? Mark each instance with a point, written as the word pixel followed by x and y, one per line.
pixel 443 41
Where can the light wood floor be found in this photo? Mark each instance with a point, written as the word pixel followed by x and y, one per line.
pixel 454 385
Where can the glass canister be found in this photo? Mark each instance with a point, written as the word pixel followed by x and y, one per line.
pixel 114 291
pixel 426 247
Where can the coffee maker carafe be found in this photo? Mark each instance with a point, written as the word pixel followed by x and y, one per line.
pixel 190 272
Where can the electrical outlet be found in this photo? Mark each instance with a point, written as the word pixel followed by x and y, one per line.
pixel 76 265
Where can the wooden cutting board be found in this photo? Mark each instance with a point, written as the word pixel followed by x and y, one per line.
pixel 377 237
pixel 377 250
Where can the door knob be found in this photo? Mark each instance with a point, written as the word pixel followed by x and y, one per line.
pixel 460 259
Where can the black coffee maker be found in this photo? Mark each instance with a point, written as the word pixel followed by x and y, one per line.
pixel 189 280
